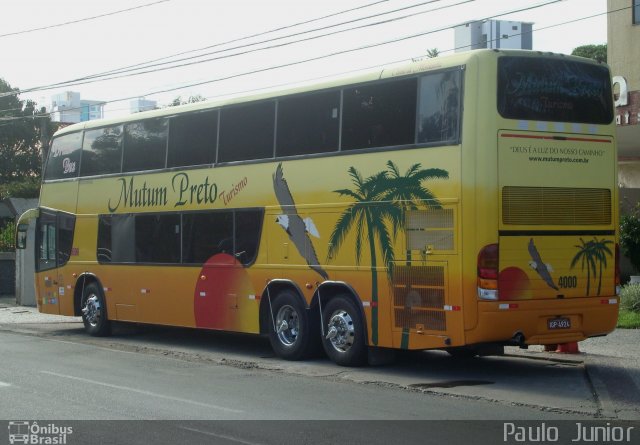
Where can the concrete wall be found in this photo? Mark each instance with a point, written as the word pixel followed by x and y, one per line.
pixel 623 50
pixel 25 270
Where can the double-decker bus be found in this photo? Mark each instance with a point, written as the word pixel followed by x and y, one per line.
pixel 453 203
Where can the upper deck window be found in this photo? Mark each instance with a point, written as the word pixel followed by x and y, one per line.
pixel 102 151
pixel 308 124
pixel 192 139
pixel 379 115
pixel 64 157
pixel 439 107
pixel 554 90
pixel 145 145
pixel 246 132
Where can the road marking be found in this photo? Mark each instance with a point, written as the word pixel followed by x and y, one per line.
pixel 220 436
pixel 3 384
pixel 146 393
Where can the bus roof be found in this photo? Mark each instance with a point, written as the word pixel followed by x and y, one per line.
pixel 394 70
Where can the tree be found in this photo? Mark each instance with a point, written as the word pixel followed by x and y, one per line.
pixel 192 99
pixel 432 53
pixel 595 52
pixel 20 144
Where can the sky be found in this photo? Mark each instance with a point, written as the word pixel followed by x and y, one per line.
pixel 161 28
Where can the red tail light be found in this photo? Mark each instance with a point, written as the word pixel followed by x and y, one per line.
pixel 488 272
pixel 488 262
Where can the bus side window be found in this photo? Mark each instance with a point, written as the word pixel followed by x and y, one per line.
pixel 379 115
pixel 248 224
pixel 246 132
pixel 102 151
pixel 157 238
pixel 439 107
pixel 46 242
pixel 192 139
pixel 145 145
pixel 66 225
pixel 206 235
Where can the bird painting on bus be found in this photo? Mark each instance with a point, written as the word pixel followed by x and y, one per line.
pixel 544 270
pixel 297 228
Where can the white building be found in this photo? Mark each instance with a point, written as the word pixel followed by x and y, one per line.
pixel 68 107
pixel 65 107
pixel 142 104
pixel 493 34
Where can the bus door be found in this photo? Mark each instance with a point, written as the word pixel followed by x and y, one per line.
pixel 54 238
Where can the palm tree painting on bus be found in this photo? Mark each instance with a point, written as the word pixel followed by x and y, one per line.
pixel 380 201
pixel 593 254
pixel 601 251
pixel 409 194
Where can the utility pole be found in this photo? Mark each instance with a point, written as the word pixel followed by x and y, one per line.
pixel 44 138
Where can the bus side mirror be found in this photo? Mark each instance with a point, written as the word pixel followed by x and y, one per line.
pixel 21 236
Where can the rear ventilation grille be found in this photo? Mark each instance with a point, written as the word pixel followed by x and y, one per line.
pixel 430 229
pixel 556 206
pixel 419 297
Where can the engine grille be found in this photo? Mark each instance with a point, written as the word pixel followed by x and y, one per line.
pixel 556 206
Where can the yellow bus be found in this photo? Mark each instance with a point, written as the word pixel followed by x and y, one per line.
pixel 461 203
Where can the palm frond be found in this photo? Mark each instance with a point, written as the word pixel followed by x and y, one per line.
pixel 342 227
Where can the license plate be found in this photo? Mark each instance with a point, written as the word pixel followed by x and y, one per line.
pixel 559 323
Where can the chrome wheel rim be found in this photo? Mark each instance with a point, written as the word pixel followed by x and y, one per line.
pixel 92 312
pixel 287 325
pixel 341 331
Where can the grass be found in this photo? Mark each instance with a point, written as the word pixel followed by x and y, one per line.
pixel 628 319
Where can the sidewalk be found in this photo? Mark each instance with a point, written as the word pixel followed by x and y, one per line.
pixel 11 313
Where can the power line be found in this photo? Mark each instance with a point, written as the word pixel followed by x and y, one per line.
pixel 271 31
pixel 148 64
pixel 197 62
pixel 334 54
pixel 82 20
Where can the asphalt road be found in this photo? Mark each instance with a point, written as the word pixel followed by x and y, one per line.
pixel 167 385
pixel 52 378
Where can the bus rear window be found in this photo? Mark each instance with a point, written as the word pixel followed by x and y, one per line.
pixel 554 90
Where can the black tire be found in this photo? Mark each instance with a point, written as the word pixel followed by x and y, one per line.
pixel 344 335
pixel 289 327
pixel 94 311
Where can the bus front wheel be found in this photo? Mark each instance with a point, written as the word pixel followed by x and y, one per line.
pixel 344 336
pixel 289 327
pixel 94 311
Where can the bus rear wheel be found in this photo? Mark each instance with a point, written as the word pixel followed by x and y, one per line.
pixel 344 336
pixel 289 327
pixel 94 311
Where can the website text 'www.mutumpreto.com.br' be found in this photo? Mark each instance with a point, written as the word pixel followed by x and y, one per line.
pixel 559 159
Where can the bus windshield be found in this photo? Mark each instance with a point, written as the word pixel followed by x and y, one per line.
pixel 548 89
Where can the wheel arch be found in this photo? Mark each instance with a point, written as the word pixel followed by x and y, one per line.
pixel 272 289
pixel 329 290
pixel 83 280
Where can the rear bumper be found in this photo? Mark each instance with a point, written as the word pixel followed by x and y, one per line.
pixel 501 321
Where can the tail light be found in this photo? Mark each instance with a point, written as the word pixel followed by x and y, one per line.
pixel 488 272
